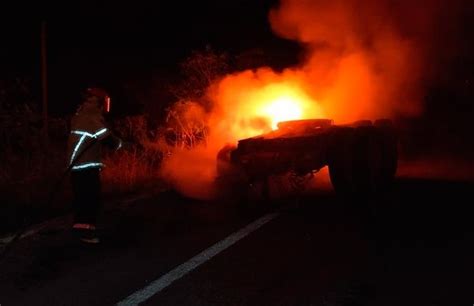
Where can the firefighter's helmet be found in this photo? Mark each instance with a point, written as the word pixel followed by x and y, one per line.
pixel 102 95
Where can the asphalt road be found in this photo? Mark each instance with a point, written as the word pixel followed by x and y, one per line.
pixel 415 248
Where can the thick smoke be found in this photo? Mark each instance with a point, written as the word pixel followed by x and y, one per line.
pixel 365 59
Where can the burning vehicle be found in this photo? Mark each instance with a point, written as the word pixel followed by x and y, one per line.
pixel 361 156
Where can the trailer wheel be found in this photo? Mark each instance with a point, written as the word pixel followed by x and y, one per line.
pixel 229 180
pixel 361 161
pixel 368 159
pixel 340 161
pixel 224 166
pixel 388 138
pixel 375 158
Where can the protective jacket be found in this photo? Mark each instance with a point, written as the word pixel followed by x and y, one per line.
pixel 88 133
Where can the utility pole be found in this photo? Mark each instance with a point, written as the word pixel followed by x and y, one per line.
pixel 44 81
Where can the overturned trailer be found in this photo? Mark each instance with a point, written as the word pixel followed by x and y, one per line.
pixel 361 157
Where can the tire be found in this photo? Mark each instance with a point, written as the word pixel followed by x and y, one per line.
pixel 362 161
pixel 340 161
pixel 366 159
pixel 388 138
pixel 228 181
pixel 224 166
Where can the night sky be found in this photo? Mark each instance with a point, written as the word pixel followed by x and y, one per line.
pixel 117 45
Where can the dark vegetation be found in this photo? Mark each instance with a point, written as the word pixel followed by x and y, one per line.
pixel 33 162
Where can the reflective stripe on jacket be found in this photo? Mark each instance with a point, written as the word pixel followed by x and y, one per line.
pixel 88 129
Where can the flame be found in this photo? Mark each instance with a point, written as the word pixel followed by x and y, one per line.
pixel 254 102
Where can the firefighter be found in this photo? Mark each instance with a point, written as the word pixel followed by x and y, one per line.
pixel 88 134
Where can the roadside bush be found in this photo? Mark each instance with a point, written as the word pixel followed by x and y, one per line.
pixel 136 165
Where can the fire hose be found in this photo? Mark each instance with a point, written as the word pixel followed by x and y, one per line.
pixel 19 233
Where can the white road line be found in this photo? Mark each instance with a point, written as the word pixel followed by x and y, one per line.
pixel 181 270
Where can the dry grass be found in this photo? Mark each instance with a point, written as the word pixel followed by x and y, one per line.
pixel 132 169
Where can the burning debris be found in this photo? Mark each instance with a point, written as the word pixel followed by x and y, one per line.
pixel 364 60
